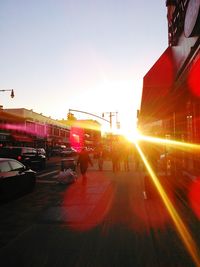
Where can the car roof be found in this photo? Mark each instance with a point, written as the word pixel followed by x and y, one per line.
pixel 5 159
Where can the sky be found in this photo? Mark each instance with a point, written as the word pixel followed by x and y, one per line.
pixel 87 55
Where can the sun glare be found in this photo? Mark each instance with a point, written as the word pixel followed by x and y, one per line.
pixel 180 226
pixel 132 134
pixel 174 143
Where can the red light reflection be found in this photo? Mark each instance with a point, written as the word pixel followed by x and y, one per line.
pixel 77 138
pixel 153 214
pixel 194 196
pixel 87 203
pixel 22 128
pixel 194 79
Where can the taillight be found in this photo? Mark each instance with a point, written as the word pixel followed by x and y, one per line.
pixel 19 157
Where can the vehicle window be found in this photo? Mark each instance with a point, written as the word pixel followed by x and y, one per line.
pixel 10 151
pixel 16 150
pixel 29 150
pixel 16 165
pixel 4 166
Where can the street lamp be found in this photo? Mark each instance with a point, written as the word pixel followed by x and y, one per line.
pixel 10 90
pixel 84 112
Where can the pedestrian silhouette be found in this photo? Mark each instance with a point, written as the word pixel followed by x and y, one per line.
pixel 125 155
pixel 100 155
pixel 84 161
pixel 115 155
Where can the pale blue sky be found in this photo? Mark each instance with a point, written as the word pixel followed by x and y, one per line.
pixel 89 55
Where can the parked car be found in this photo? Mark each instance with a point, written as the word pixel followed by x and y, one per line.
pixel 26 155
pixel 55 151
pixel 68 152
pixel 15 178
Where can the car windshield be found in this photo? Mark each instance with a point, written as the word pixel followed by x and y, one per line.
pixel 5 166
pixel 29 150
pixel 15 165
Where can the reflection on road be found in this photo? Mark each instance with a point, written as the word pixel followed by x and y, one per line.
pixel 87 202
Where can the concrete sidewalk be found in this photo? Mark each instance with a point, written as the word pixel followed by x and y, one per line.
pixel 100 221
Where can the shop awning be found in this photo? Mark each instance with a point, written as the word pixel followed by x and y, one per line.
pixel 157 85
pixel 22 138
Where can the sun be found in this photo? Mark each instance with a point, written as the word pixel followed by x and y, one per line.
pixel 131 134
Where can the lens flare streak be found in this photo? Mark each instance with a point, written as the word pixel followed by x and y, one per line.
pixel 178 144
pixel 180 226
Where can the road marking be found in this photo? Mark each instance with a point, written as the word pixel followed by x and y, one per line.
pixel 46 174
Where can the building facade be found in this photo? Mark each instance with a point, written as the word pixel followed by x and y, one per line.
pixel 84 133
pixel 28 128
pixel 170 106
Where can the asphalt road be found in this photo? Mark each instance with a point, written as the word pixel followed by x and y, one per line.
pixel 103 221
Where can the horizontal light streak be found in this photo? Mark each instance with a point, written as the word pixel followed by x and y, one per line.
pixel 175 143
pixel 24 129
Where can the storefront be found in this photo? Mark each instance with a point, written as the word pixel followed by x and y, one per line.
pixel 171 92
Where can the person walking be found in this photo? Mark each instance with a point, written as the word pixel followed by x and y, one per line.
pixel 115 155
pixel 100 157
pixel 125 155
pixel 84 161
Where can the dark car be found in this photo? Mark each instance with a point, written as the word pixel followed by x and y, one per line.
pixel 15 178
pixel 55 151
pixel 26 155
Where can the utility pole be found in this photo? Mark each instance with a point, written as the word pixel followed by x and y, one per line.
pixel 111 114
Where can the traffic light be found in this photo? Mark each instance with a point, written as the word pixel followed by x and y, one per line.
pixel 118 125
pixel 69 116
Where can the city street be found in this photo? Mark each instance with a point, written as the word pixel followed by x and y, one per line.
pixel 117 81
pixel 102 221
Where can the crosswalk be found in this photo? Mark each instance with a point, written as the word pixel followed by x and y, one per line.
pixel 51 176
pixel 48 177
pixel 47 174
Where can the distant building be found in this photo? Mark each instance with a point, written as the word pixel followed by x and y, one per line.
pixel 84 133
pixel 27 127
